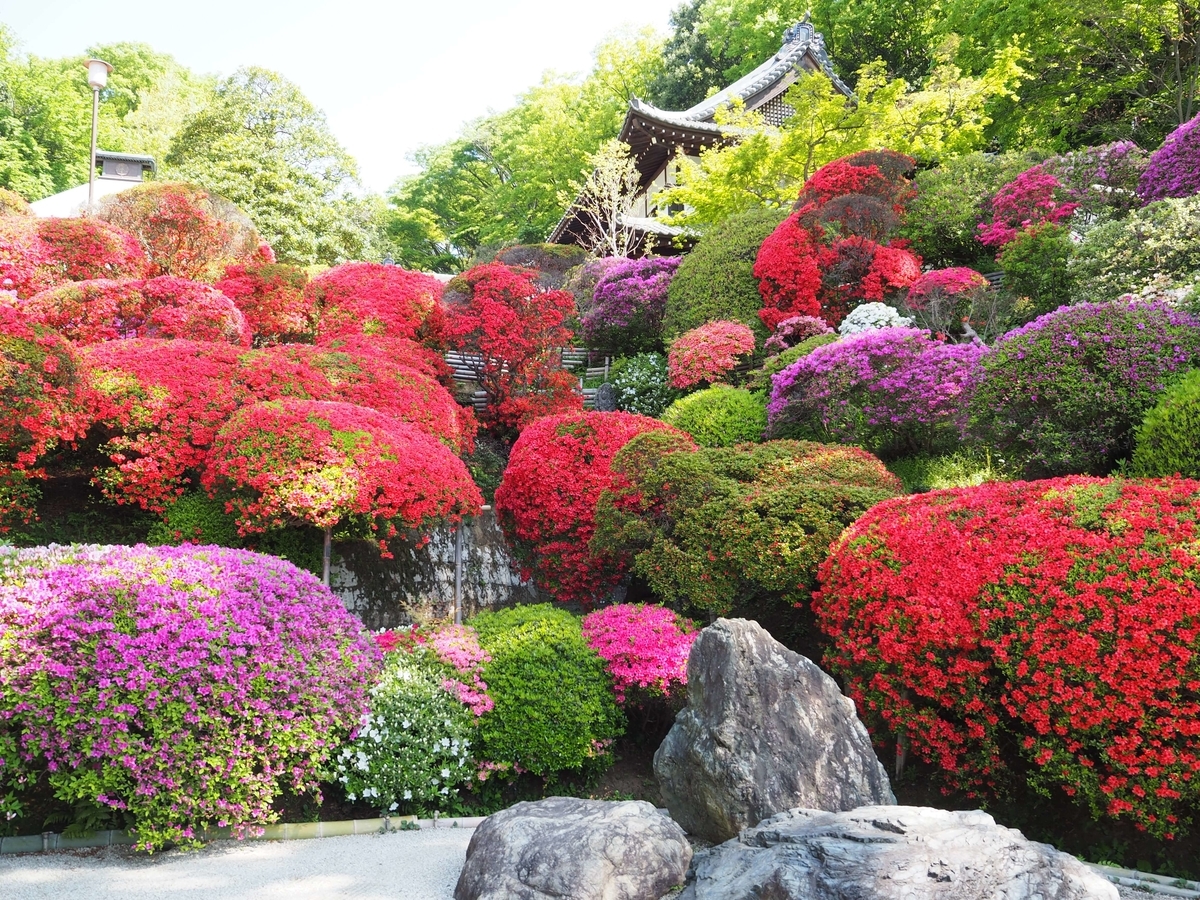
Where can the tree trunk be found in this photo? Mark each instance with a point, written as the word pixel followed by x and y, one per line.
pixel 327 555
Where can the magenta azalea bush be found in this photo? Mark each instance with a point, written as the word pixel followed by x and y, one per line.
pixel 628 303
pixel 894 391
pixel 184 686
pixel 643 647
pixel 1174 168
pixel 1035 197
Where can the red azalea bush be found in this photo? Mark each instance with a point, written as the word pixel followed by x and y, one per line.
pixel 82 249
pixel 546 502
pixel 284 461
pixel 1049 628
pixel 707 354
pixel 184 230
pixel 645 648
pixel 788 268
pixel 879 174
pixel 271 296
pixel 511 332
pixel 179 308
pixel 24 257
pixel 372 299
pixel 1035 197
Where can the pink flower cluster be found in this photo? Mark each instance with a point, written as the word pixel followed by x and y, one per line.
pixel 642 646
pixel 458 646
pixel 707 354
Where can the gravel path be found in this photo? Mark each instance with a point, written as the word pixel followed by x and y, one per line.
pixel 408 865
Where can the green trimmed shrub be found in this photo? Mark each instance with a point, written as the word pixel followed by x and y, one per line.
pixel 555 709
pixel 720 416
pixel 641 384
pixel 963 468
pixel 760 380
pixel 1036 272
pixel 1168 441
pixel 195 519
pixel 716 280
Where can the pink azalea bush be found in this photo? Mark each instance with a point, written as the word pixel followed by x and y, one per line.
pixel 643 647
pixel 1035 197
pixel 458 646
pixel 707 354
pixel 795 330
pixel 182 685
pixel 1174 168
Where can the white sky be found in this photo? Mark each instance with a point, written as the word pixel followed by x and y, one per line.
pixel 389 76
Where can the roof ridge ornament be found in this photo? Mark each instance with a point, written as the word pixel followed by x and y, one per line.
pixel 803 27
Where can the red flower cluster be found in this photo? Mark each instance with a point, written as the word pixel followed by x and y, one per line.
pixel 88 312
pixel 271 297
pixel 832 253
pixel 707 354
pixel 1058 620
pixel 546 503
pixel 38 254
pixel 513 331
pixel 372 299
pixel 322 462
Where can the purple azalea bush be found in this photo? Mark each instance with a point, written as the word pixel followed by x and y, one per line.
pixel 1174 168
pixel 628 303
pixel 894 391
pixel 180 685
pixel 1064 394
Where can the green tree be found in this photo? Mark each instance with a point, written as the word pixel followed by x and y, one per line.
pixel 259 142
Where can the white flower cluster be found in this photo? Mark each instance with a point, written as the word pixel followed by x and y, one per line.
pixel 870 316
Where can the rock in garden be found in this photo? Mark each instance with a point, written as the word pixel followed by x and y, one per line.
pixel 765 730
pixel 606 398
pixel 564 847
pixel 889 853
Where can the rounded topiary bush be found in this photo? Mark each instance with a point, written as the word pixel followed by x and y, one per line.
pixel 372 299
pixel 184 686
pixel 554 705
pixel 708 353
pixel 1064 393
pixel 546 502
pixel 719 416
pixel 717 281
pixel 1168 441
pixel 1044 631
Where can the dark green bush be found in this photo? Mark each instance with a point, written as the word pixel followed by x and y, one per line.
pixel 1036 272
pixel 720 416
pixel 716 280
pixel 641 384
pixel 1168 442
pixel 942 220
pixel 554 709
pixel 195 519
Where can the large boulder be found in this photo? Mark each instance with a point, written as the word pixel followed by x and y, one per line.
pixel 889 853
pixel 764 730
pixel 582 849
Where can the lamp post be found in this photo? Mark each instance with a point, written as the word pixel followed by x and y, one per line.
pixel 98 71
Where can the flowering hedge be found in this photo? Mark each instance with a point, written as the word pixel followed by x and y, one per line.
pixel 271 296
pixel 645 648
pixel 38 254
pixel 1064 393
pixel 1046 629
pixel 184 686
pixel 1174 168
pixel 325 463
pixel 372 299
pixel 546 502
pixel 892 390
pixel 628 303
pixel 707 354
pixel 1035 197
pixel 511 331
pixel 712 527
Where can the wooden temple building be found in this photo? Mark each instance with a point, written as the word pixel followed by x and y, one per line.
pixel 655 136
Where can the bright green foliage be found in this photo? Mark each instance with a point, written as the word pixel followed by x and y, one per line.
pixel 1122 257
pixel 761 379
pixel 714 526
pixel 943 118
pixel 554 700
pixel 942 221
pixel 259 142
pixel 963 468
pixel 716 280
pixel 414 747
pixel 1168 442
pixel 720 416
pixel 641 384
pixel 1036 272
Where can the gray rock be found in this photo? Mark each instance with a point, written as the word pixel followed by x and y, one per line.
pixel 563 847
pixel 764 730
pixel 606 398
pixel 889 853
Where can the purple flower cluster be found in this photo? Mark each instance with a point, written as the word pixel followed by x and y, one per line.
pixel 181 684
pixel 628 303
pixel 894 391
pixel 1063 394
pixel 1174 168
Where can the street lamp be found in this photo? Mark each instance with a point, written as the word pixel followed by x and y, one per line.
pixel 98 71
